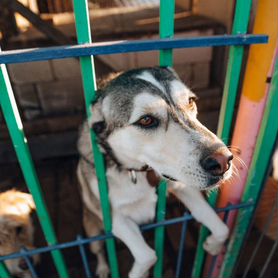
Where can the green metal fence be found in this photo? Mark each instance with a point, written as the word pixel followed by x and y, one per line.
pixel 165 44
pixel 240 24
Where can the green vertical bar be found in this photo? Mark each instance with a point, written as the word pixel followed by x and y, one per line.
pixel 4 273
pixel 19 140
pixel 241 19
pixel 159 232
pixel 257 173
pixel 166 29
pixel 88 75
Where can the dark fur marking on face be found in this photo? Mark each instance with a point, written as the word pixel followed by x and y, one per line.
pixel 99 127
pixel 122 91
pixel 109 152
pixel 121 94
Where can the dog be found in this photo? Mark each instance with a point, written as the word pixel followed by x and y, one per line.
pixel 145 120
pixel 16 229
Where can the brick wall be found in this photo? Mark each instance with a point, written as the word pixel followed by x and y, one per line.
pixel 192 64
pixel 50 96
pixel 47 88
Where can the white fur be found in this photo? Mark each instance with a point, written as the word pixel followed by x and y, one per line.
pixel 96 115
pixel 146 103
pixel 172 149
pixel 136 201
pixel 136 148
pixel 132 204
pixel 180 93
pixel 150 78
pixel 203 213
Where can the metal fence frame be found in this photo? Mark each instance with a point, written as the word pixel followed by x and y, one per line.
pixel 165 44
pixel 80 242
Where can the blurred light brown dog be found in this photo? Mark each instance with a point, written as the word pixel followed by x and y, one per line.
pixel 16 229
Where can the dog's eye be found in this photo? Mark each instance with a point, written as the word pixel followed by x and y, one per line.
pixel 148 121
pixel 191 100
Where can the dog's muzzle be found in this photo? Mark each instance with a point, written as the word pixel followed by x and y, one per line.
pixel 216 165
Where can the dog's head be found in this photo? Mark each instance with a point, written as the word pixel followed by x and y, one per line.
pixel 149 117
pixel 16 229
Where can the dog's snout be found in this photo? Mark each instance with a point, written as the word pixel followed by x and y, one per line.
pixel 217 163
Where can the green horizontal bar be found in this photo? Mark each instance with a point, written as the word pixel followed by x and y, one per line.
pixel 12 117
pixel 258 170
pixel 240 24
pixel 89 84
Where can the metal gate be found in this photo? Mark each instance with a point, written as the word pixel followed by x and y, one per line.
pixel 85 50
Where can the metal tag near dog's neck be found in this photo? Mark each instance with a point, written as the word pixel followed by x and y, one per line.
pixel 133 176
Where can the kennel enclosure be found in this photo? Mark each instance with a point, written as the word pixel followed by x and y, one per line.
pixel 86 50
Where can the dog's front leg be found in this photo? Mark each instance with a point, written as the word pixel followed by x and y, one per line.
pixel 202 212
pixel 128 231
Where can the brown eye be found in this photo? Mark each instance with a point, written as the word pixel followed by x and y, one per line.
pixel 191 100
pixel 147 121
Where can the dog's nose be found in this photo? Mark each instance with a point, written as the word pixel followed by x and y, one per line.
pixel 22 264
pixel 217 163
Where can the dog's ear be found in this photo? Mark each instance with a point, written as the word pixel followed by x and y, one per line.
pixel 97 121
pixel 25 203
pixel 22 203
pixel 30 201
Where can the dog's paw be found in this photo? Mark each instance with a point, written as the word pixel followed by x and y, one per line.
pixel 146 274
pixel 102 271
pixel 212 245
pixel 25 274
pixel 141 269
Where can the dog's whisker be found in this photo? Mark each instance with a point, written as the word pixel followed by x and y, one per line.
pixel 241 162
pixel 232 179
pixel 234 149
pixel 235 171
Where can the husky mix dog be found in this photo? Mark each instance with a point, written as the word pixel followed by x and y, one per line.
pixel 146 121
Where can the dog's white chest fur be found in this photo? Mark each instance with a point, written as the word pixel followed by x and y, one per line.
pixel 136 201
